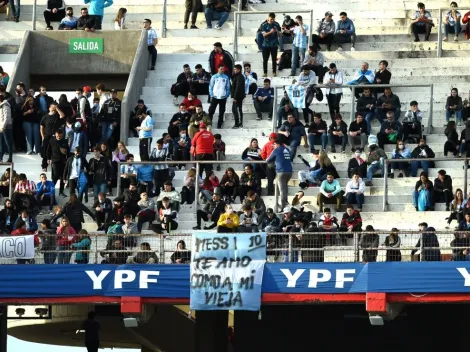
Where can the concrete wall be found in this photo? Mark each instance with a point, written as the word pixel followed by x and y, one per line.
pixel 50 50
pixel 21 69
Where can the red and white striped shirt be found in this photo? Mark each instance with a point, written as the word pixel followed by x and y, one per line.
pixel 29 185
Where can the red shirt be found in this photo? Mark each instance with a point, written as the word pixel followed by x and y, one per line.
pixel 219 59
pixel 195 102
pixel 203 142
pixel 21 231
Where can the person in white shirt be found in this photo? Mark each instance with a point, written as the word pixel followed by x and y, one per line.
pixel 152 41
pixel 421 22
pixel 355 189
pixel 335 79
pixel 120 20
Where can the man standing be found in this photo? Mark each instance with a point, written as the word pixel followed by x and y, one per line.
pixel 238 94
pixel 202 146
pixel 282 159
pixel 110 116
pixel 152 41
pixel 99 169
pixel 219 90
pixel 92 328
pixel 57 152
pixel 49 124
pixel 299 46
pixel 219 57
pixel 97 10
pixel 145 136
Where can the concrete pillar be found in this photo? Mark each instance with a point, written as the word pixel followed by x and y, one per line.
pixel 211 331
pixel 3 328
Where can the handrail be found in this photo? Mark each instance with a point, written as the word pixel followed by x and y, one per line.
pixel 238 28
pixel 164 15
pixel 391 161
pixel 134 84
pixel 34 14
pixel 439 30
pixel 197 162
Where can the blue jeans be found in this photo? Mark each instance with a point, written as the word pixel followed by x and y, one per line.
pixel 371 170
pixel 33 138
pixel 293 148
pixel 215 15
pixel 314 140
pixel 452 29
pixel 415 165
pixel 369 117
pixel 106 131
pixel 6 142
pixel 15 10
pixel 354 198
pixel 284 39
pixel 63 258
pixel 49 258
pixel 98 189
pixel 458 115
pixel 295 58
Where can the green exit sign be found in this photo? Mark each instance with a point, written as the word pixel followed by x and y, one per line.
pixel 86 46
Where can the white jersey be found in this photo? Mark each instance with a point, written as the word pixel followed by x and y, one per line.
pixel 296 95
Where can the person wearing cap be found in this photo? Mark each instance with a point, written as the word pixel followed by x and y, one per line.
pixel 366 107
pixel 375 160
pixel 219 148
pixel 287 35
pixel 54 12
pixel 299 45
pixel 358 132
pixel 202 147
pixel 219 91
pixel 152 41
pixel 217 10
pixel 145 136
pixel 443 189
pixel 211 212
pixel 196 119
pixel 335 79
pixel 326 31
pixel 137 115
pixel 338 134
pixel 345 32
pixel 271 222
pixel 270 170
pixel 283 164
pixel 110 118
pixel 48 125
pixel 77 138
pixel 220 56
pixel 285 108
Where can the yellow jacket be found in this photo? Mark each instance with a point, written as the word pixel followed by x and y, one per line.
pixel 234 217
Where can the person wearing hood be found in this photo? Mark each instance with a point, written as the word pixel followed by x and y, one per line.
pixel 423 193
pixel 369 243
pixel 6 129
pixel 326 32
pixel 82 247
pixel 443 189
pixel 181 255
pixel 430 251
pixel 454 106
pixel 8 215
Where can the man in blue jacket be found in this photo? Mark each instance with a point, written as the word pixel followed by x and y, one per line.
pixel 97 10
pixel 345 32
pixel 45 192
pixel 283 165
pixel 219 91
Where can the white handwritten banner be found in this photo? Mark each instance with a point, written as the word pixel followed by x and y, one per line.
pixel 17 247
pixel 227 271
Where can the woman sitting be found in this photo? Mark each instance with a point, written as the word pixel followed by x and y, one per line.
pixel 392 242
pixel 210 182
pixel 228 221
pixel 422 195
pixel 229 185
pixel 457 207
pixel 401 152
pixel 253 152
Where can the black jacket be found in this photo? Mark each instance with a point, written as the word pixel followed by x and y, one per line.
pixel 100 170
pixel 342 127
pixel 68 166
pixel 416 153
pixel 362 103
pixel 55 4
pixel 74 212
pixel 228 60
pixel 440 186
pixel 384 77
pixel 53 152
pixel 354 127
pixel 49 101
pixel 106 208
pixel 111 111
pixel 87 21
pixel 237 90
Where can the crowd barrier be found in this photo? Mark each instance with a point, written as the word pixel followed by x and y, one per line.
pixel 329 247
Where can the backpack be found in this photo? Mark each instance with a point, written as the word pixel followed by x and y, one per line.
pixel 285 61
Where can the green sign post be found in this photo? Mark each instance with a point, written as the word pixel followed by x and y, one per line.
pixel 86 46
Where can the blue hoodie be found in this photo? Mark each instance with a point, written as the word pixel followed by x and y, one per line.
pixel 347 25
pixel 281 158
pixel 97 6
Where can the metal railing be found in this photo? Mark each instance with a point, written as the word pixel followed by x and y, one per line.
pixel 10 165
pixel 164 13
pixel 34 14
pixel 353 97
pixel 327 246
pixel 238 32
pixel 198 164
pixel 439 29
pixel 137 76
pixel 391 161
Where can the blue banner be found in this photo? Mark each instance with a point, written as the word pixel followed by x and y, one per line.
pixel 227 271
pixel 173 281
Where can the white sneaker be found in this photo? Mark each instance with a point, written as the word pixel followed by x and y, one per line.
pixel 444 39
pixel 340 49
pixel 218 27
pixel 353 48
pixel 182 168
pixel 456 38
pixel 175 100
